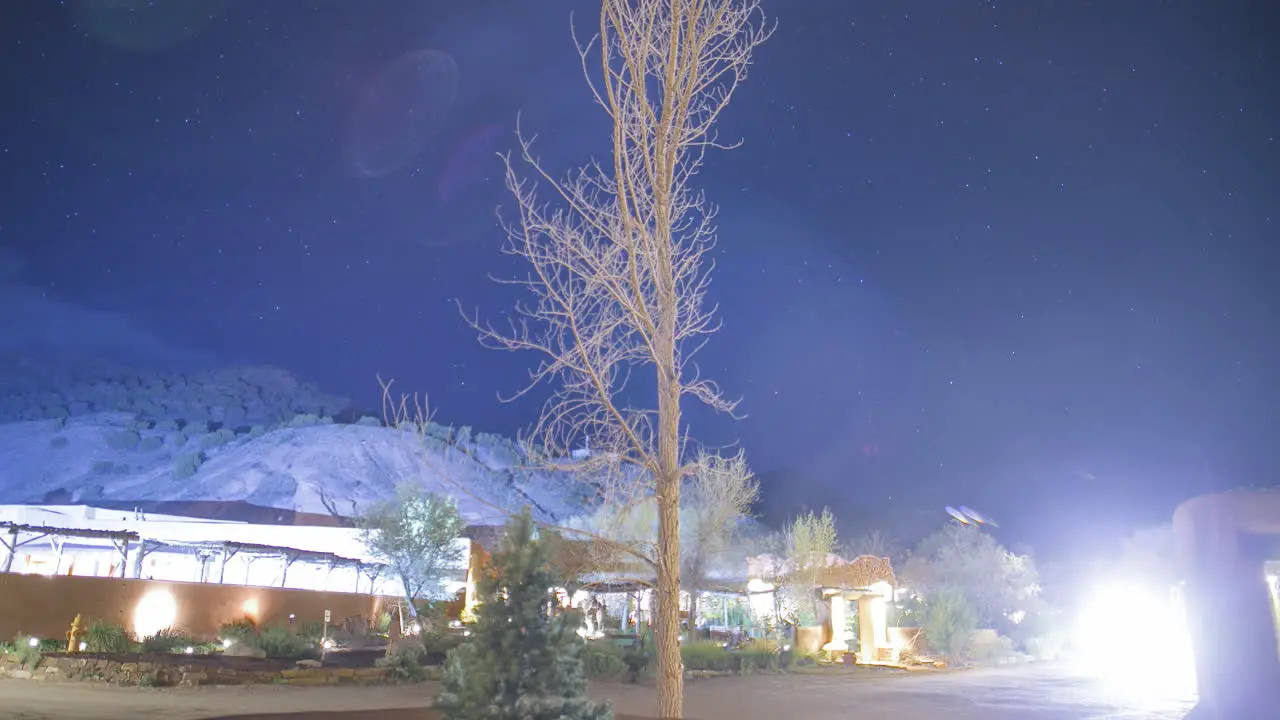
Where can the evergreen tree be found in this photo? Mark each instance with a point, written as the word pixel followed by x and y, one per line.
pixel 524 658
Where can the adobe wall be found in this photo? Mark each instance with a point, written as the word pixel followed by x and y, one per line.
pixel 43 606
pixel 1228 603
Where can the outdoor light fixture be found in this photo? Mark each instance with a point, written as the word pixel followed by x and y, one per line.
pixel 156 611
pixel 1124 616
pixel 34 642
pixel 190 650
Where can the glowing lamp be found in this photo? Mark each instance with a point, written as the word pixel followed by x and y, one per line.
pixel 156 611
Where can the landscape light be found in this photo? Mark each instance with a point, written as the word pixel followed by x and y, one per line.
pixel 34 642
pixel 156 611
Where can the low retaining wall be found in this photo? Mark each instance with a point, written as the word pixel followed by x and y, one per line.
pixel 43 606
pixel 183 671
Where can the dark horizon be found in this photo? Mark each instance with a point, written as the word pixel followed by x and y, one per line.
pixel 1013 257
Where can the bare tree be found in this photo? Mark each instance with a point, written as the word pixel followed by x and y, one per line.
pixel 718 498
pixel 619 266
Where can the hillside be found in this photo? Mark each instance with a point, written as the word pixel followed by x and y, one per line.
pixel 94 408
pixel 93 431
pixel 307 465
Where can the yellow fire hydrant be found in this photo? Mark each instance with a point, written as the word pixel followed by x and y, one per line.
pixel 74 635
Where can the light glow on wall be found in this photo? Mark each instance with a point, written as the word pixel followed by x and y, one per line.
pixel 156 611
pixel 251 608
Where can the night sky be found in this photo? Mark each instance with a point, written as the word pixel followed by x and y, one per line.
pixel 1018 255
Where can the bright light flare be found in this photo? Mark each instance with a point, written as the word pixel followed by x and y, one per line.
pixel 1136 640
pixel 156 611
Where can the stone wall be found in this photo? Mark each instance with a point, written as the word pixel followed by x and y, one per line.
pixel 44 606
pixel 182 671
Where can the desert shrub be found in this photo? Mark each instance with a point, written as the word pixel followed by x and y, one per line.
pixel 186 464
pixel 405 663
pixel 603 660
pixel 463 435
pixel 104 637
pixel 217 439
pixel 759 656
pixel 167 426
pixel 312 632
pixel 304 420
pixel 28 656
pixel 992 653
pixel 705 655
pixel 369 421
pixel 949 622
pixel 195 428
pixel 151 444
pixel 257 431
pixel 167 640
pixel 59 442
pixel 281 642
pixel 124 440
pixel 243 630
pixel 103 467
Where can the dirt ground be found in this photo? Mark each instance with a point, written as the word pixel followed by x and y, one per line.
pixel 1023 693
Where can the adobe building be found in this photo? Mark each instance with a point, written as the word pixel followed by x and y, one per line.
pixel 1227 547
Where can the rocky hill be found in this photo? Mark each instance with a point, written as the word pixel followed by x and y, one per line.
pixel 104 432
pixel 95 409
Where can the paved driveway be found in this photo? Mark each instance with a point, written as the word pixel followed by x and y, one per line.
pixel 1021 693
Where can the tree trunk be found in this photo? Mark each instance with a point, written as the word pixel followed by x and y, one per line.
pixel 666 615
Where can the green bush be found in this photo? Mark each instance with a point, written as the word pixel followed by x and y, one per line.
pixel 186 465
pixel 167 640
pixel 705 655
pixel 759 656
pixel 281 642
pixel 949 622
pixel 603 660
pixel 28 657
pixel 59 442
pixel 243 630
pixel 405 664
pixel 104 637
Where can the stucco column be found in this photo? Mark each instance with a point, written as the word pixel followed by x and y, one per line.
pixel 1228 609
pixel 839 619
pixel 867 627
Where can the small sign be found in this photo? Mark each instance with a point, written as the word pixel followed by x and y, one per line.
pixel 327 616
